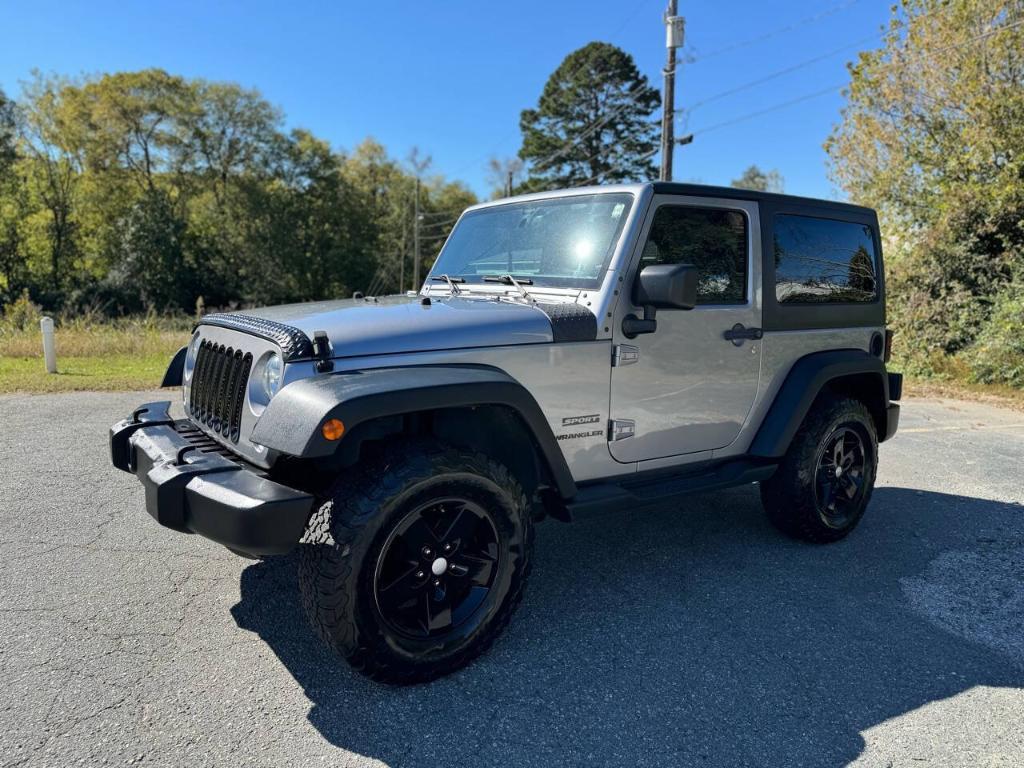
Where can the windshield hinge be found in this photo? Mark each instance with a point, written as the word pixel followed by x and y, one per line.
pixel 625 354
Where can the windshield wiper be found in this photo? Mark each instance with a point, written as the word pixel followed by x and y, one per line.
pixel 511 280
pixel 451 282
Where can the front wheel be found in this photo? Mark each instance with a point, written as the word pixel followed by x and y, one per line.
pixel 824 482
pixel 416 561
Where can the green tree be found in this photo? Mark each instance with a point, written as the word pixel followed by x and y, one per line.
pixel 593 122
pixel 8 152
pixel 51 165
pixel 131 123
pixel 932 135
pixel 152 242
pixel 230 131
pixel 761 181
pixel 146 189
pixel 12 206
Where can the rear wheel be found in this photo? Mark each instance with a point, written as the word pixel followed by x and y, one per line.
pixel 824 482
pixel 416 562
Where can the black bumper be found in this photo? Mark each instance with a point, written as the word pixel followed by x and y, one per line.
pixel 193 489
pixel 892 411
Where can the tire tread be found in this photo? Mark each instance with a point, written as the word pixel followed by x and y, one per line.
pixel 788 495
pixel 326 576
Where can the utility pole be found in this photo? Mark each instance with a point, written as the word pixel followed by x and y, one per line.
pixel 419 165
pixel 416 238
pixel 508 184
pixel 674 29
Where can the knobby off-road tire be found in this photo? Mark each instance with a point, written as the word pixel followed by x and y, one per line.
pixel 812 496
pixel 387 622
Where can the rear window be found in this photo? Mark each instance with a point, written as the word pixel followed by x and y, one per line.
pixel 824 261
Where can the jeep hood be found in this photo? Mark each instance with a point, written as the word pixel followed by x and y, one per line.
pixel 397 324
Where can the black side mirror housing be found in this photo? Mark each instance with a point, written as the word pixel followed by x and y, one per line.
pixel 667 286
pixel 661 286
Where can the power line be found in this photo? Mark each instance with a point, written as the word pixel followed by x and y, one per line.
pixel 775 32
pixel 548 162
pixel 436 224
pixel 778 73
pixel 767 110
pixel 616 167
pixel 545 162
pixel 596 125
pixel 833 88
pixel 438 236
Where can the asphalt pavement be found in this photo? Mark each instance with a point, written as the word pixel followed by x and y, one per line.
pixel 676 637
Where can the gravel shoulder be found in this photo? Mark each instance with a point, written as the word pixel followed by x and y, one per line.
pixel 671 637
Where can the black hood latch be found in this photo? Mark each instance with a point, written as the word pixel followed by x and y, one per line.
pixel 322 352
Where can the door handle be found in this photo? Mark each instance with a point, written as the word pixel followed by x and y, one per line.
pixel 738 333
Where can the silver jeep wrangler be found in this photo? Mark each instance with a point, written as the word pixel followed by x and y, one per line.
pixel 609 347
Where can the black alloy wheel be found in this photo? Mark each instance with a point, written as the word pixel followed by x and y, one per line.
pixel 416 559
pixel 839 479
pixel 437 567
pixel 824 482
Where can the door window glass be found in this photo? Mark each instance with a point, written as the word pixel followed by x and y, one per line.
pixel 712 239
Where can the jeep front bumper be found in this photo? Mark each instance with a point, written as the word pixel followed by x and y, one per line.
pixel 191 487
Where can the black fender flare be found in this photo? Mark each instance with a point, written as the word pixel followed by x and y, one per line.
pixel 175 370
pixel 804 382
pixel 291 423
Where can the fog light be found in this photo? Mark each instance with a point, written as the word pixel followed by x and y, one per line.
pixel 333 429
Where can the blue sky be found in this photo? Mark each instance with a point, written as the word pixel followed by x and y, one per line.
pixel 452 77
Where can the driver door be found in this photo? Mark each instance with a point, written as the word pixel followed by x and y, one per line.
pixel 686 388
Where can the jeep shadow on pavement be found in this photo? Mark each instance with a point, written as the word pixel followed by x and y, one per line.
pixel 700 637
pixel 593 349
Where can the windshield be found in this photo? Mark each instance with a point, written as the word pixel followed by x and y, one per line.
pixel 563 242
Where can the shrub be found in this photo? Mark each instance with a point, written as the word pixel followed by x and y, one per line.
pixel 997 356
pixel 22 314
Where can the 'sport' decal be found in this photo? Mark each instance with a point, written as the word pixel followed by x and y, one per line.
pixel 575 421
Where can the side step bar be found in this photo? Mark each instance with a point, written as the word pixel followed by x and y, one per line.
pixel 637 492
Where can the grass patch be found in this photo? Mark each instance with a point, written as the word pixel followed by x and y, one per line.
pixel 76 374
pixel 93 352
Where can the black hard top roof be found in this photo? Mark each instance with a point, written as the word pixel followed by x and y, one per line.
pixel 732 193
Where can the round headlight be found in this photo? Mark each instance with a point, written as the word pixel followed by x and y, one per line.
pixel 270 378
pixel 191 355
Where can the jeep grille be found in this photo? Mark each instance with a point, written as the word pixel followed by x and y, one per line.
pixel 218 388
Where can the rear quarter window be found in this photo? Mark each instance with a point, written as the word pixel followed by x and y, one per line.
pixel 824 261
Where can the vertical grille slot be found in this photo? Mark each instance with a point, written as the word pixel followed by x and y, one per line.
pixel 238 396
pixel 217 395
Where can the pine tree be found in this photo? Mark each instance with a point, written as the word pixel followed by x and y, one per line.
pixel 593 123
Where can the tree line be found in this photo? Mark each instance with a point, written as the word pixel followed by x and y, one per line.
pixel 139 190
pixel 145 190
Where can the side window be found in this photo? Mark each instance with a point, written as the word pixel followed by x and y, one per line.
pixel 823 261
pixel 712 239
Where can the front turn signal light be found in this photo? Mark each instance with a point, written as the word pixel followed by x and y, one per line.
pixel 332 429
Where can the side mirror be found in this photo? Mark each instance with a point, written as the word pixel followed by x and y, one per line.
pixel 661 286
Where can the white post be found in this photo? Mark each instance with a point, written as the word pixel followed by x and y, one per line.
pixel 49 350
